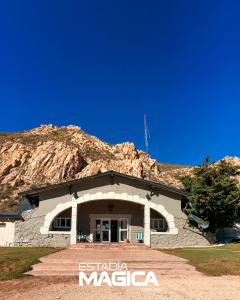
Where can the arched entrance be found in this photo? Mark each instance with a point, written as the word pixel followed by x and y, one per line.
pixel 76 202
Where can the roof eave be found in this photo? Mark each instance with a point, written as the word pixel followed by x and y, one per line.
pixel 7 216
pixel 151 184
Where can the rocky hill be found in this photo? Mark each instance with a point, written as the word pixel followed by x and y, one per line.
pixel 51 154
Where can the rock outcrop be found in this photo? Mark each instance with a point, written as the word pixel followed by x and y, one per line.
pixel 51 154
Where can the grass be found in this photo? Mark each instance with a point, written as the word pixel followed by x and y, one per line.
pixel 15 261
pixel 215 261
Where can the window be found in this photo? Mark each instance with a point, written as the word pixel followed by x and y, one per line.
pixel 62 223
pixel 2 225
pixel 157 224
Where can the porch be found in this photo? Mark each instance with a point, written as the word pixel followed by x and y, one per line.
pixel 109 221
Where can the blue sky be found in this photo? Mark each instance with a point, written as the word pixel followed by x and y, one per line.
pixel 102 64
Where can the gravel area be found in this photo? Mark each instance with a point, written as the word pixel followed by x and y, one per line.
pixel 198 287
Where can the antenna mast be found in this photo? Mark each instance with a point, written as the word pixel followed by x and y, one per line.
pixel 146 132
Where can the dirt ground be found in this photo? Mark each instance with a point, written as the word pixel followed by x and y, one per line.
pixel 198 287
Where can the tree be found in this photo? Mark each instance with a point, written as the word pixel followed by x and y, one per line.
pixel 214 194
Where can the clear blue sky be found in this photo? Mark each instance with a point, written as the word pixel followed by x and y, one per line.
pixel 103 64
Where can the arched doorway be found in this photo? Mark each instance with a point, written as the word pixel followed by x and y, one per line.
pixel 113 197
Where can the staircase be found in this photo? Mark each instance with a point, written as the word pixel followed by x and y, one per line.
pixel 141 258
pixel 109 246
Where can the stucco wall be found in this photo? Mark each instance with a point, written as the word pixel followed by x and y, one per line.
pixel 7 233
pixel 49 199
pixel 171 202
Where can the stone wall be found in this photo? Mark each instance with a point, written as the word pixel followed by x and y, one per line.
pixel 187 236
pixel 27 232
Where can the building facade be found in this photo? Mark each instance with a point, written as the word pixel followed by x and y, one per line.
pixel 105 208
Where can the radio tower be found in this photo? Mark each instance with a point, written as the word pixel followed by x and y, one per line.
pixel 146 132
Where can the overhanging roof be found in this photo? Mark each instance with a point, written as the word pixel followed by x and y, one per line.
pixel 151 184
pixel 9 215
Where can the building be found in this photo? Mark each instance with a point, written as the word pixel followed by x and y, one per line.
pixel 105 208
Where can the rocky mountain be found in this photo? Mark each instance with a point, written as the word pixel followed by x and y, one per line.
pixel 51 154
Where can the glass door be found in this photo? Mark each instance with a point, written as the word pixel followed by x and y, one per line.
pixel 105 230
pixel 123 229
pixel 97 230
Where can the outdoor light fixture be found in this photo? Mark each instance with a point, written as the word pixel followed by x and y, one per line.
pixel 110 207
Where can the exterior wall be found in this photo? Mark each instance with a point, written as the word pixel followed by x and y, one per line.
pixel 171 202
pixel 50 199
pixel 186 237
pixel 29 230
pixel 7 234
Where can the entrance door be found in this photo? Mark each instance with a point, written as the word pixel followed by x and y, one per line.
pixel 105 230
pixel 98 231
pixel 114 231
pixel 111 229
pixel 123 229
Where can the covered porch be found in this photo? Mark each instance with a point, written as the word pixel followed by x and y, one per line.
pixel 109 221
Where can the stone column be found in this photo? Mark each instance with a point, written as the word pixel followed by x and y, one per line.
pixel 147 231
pixel 73 239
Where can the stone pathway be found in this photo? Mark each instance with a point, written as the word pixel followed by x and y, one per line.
pixel 66 262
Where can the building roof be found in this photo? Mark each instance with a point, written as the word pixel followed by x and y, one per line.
pixel 9 215
pixel 151 184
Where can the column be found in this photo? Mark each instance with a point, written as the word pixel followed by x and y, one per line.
pixel 73 239
pixel 147 231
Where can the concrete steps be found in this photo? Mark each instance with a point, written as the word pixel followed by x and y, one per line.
pixel 66 262
pixel 123 246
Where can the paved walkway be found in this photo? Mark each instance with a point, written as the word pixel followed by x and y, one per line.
pixel 177 279
pixel 66 262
